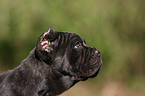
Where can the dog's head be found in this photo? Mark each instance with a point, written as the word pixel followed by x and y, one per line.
pixel 68 54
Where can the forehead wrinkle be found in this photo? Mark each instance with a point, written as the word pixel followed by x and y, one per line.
pixel 76 37
pixel 65 38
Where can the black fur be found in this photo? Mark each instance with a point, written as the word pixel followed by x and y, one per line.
pixel 59 60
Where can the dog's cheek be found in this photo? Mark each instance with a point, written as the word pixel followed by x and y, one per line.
pixel 74 56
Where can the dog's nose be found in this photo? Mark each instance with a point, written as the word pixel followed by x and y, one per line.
pixel 97 52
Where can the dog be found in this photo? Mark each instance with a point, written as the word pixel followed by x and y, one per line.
pixel 59 60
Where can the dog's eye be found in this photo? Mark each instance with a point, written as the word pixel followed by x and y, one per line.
pixel 77 44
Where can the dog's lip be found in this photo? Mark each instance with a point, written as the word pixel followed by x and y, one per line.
pixel 94 75
pixel 97 71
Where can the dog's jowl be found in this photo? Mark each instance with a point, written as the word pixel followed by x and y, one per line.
pixel 59 60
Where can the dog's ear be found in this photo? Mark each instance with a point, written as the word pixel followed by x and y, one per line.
pixel 45 40
pixel 50 35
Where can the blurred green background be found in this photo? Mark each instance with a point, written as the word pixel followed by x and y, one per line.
pixel 115 27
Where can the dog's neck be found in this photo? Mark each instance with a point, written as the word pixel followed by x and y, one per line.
pixel 53 82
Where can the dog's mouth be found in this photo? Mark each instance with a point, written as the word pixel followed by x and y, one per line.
pixel 94 65
pixel 85 75
pixel 98 69
pixel 90 71
pixel 93 72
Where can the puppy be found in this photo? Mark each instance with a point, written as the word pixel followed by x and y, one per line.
pixel 59 60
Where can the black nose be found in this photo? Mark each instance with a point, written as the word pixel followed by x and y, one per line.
pixel 97 52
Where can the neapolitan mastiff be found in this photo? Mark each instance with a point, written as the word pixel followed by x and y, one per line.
pixel 59 60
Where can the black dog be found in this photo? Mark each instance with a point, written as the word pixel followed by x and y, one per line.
pixel 59 60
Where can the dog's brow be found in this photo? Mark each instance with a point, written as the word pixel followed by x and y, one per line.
pixel 84 41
